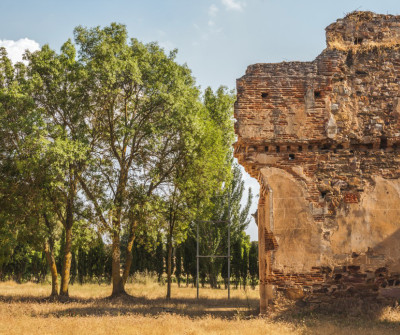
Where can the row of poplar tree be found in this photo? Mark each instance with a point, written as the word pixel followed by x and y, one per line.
pixel 91 263
pixel 106 147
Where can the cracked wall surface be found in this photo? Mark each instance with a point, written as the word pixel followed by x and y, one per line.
pixel 323 140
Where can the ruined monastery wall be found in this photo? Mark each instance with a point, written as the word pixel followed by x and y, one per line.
pixel 323 139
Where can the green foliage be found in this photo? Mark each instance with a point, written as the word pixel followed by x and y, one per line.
pixel 109 140
pixel 253 263
pixel 236 261
pixel 189 255
pixel 225 206
pixel 244 268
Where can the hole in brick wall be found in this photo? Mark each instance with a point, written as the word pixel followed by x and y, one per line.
pixel 264 95
pixel 370 146
pixel 266 148
pixel 349 59
pixel 395 146
pixel 358 40
pixel 323 194
pixel 309 147
pixel 326 147
pixel 317 94
pixel 300 148
pixel 291 157
pixel 352 151
pixel 383 144
pixel 278 149
pixel 361 73
pixel 288 148
pixel 339 147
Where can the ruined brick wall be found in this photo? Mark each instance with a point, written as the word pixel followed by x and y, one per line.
pixel 323 139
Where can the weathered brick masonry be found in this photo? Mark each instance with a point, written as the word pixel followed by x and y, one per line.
pixel 323 139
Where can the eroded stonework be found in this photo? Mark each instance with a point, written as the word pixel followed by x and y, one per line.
pixel 323 139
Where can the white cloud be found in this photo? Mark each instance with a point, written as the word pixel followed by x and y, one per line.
pixel 213 28
pixel 213 10
pixel 15 49
pixel 212 13
pixel 234 4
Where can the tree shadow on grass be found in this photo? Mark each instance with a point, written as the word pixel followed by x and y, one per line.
pixel 42 300
pixel 343 313
pixel 130 305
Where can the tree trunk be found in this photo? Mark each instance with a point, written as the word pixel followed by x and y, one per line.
pixel 212 275
pixel 49 252
pixel 118 285
pixel 48 249
pixel 66 266
pixel 129 256
pixel 169 266
pixel 18 277
pixel 117 282
pixel 69 221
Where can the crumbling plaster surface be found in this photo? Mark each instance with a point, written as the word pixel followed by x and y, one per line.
pixel 371 225
pixel 296 234
pixel 323 139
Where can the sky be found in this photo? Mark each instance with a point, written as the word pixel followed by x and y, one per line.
pixel 217 39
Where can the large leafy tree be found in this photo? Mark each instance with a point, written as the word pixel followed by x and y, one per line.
pixel 59 93
pixel 143 104
pixel 26 215
pixel 44 119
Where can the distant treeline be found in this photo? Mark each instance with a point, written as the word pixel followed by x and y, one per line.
pixel 92 264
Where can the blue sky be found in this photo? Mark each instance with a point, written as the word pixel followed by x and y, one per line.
pixel 218 39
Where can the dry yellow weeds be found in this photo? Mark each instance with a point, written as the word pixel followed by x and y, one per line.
pixel 24 310
pixel 368 46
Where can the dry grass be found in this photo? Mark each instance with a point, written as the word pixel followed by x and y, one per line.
pixel 24 309
pixel 366 47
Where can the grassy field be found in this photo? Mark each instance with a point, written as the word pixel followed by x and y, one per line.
pixel 25 309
